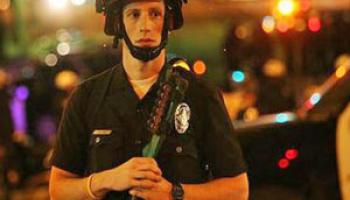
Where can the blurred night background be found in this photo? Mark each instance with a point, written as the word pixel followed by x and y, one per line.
pixel 283 67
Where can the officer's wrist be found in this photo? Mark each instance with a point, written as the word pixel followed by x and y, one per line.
pixel 99 184
pixel 177 192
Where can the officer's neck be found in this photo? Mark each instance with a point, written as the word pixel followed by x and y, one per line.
pixel 139 70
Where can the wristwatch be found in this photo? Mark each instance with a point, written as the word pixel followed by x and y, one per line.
pixel 177 192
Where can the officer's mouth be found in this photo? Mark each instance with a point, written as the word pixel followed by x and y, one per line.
pixel 145 41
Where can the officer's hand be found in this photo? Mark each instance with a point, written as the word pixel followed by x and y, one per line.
pixel 160 191
pixel 135 173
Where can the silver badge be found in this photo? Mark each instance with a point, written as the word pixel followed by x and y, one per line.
pixel 182 118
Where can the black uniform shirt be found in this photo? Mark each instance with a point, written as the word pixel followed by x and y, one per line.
pixel 103 126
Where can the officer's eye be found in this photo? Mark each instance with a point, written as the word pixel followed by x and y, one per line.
pixel 155 13
pixel 134 14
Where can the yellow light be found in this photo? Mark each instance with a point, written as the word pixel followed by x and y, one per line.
pixel 66 80
pixel 251 114
pixel 182 64
pixel 199 67
pixel 286 7
pixel 5 4
pixel 343 60
pixel 268 24
pixel 274 68
pixel 341 71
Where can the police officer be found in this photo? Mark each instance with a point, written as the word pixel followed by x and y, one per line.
pixel 98 152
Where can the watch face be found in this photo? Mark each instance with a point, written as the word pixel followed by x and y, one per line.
pixel 177 192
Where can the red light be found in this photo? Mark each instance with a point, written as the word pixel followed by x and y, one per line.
pixel 283 163
pixel 291 154
pixel 309 105
pixel 314 24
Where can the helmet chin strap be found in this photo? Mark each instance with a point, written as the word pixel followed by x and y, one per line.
pixel 148 53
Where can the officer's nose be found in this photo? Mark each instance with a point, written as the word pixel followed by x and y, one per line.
pixel 145 24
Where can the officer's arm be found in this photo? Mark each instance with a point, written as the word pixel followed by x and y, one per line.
pixel 136 172
pixel 233 188
pixel 66 185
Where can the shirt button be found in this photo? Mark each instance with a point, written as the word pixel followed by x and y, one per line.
pixel 98 139
pixel 179 149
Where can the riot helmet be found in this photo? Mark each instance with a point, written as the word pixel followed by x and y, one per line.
pixel 114 25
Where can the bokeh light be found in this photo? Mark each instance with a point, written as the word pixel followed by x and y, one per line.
pixel 315 98
pixel 21 93
pixel 242 32
pixel 341 71
pixel 314 24
pixel 343 60
pixel 63 48
pixel 238 76
pixel 51 60
pixel 283 163
pixel 282 118
pixel 199 67
pixel 274 68
pixel 291 154
pixel 286 7
pixel 251 114
pixel 66 80
pixel 268 24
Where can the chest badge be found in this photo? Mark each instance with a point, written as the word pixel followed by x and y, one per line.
pixel 182 118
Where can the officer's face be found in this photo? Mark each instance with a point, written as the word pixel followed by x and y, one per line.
pixel 144 21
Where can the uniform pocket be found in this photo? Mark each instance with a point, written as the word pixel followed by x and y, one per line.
pixel 181 146
pixel 182 149
pixel 180 159
pixel 105 151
